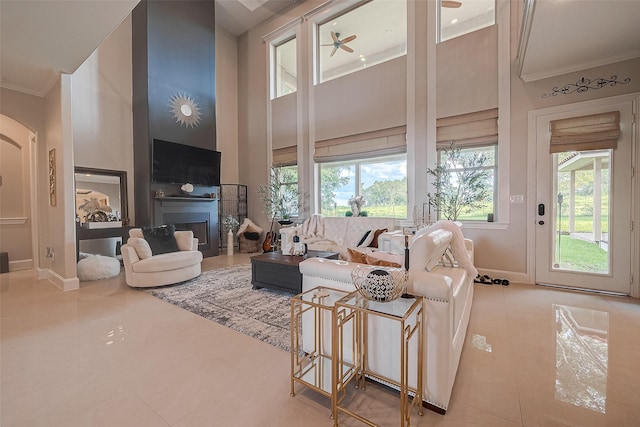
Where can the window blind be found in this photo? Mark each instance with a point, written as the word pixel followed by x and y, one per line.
pixel 467 130
pixel 361 146
pixel 593 132
pixel 286 156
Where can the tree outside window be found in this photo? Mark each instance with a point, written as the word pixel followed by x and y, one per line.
pixel 464 183
pixel 381 181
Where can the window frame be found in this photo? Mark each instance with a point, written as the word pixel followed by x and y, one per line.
pixel 439 38
pixel 335 13
pixel 493 168
pixel 357 165
pixel 273 69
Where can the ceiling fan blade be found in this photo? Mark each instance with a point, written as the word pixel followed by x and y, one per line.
pixel 328 44
pixel 334 37
pixel 348 39
pixel 453 4
pixel 347 48
pixel 333 51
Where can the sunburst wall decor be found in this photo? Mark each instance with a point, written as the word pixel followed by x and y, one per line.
pixel 185 110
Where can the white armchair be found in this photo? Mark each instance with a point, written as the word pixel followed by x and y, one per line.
pixel 144 269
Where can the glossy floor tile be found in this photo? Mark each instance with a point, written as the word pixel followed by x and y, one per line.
pixel 110 355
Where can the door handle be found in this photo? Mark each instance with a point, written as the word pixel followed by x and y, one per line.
pixel 541 209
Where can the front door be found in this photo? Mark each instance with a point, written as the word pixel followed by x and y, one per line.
pixel 583 209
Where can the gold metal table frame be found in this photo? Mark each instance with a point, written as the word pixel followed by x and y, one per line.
pixel 354 310
pixel 314 368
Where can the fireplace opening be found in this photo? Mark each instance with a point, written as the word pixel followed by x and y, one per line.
pixel 200 231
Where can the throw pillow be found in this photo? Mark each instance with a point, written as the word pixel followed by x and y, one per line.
pixel 357 256
pixel 386 257
pixel 250 226
pixel 141 246
pixel 161 239
pixel 376 234
pixel 375 261
pixel 366 239
pixel 251 236
pixel 374 258
pixel 184 239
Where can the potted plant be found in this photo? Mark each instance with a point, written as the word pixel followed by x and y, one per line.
pixel 280 200
pixel 459 182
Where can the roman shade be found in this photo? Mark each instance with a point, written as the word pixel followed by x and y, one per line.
pixel 287 156
pixel 467 130
pixel 361 146
pixel 593 132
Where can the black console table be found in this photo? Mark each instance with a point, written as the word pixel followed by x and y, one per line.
pixel 100 233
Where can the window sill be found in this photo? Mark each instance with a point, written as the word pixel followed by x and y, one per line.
pixel 485 225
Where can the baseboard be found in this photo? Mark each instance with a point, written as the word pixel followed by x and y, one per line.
pixel 512 276
pixel 22 264
pixel 62 283
pixel 42 273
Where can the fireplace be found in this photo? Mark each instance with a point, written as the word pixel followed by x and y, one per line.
pixel 199 215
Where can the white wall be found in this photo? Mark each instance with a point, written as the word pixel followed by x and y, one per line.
pixel 28 110
pixel 15 193
pixel 102 108
pixel 227 105
pixel 468 79
pixel 60 218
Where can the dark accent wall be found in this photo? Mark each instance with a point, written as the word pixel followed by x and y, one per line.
pixel 173 53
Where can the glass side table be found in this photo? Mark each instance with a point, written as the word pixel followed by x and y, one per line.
pixel 353 311
pixel 313 365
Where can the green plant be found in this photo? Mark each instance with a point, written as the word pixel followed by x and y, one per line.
pixel 459 181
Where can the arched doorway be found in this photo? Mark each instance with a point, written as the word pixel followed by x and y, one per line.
pixel 18 202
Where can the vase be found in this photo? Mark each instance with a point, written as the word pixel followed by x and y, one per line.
pixel 230 243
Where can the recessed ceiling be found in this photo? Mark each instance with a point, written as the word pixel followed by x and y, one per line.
pixel 41 39
pixel 239 16
pixel 573 35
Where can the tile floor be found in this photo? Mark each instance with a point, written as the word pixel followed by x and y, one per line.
pixel 109 355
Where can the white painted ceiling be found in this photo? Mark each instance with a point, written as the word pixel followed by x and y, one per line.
pixel 573 35
pixel 41 38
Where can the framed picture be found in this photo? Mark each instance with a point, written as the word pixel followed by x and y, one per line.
pixel 52 177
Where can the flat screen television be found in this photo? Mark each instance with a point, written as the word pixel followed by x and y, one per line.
pixel 178 164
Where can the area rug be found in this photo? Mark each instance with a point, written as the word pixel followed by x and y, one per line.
pixel 225 295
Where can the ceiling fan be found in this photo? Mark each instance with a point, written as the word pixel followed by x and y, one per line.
pixel 337 43
pixel 453 4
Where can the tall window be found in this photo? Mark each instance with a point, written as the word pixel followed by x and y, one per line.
pixel 465 183
pixel 381 181
pixel 467 170
pixel 289 186
pixel 285 72
pixel 367 35
pixel 458 17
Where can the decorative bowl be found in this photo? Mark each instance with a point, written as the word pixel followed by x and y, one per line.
pixel 382 284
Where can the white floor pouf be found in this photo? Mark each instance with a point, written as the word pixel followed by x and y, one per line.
pixel 96 267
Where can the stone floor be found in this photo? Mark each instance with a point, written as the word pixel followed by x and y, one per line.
pixel 109 355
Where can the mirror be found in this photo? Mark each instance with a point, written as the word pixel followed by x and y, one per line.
pixel 101 195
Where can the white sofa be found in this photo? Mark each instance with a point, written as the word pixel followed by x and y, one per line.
pixel 447 294
pixel 143 269
pixel 336 234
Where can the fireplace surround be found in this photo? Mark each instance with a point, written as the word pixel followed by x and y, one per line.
pixel 197 214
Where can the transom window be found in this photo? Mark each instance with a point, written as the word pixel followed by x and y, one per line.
pixel 367 35
pixel 285 68
pixel 381 181
pixel 459 17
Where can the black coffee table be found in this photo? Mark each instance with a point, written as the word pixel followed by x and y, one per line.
pixel 276 271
